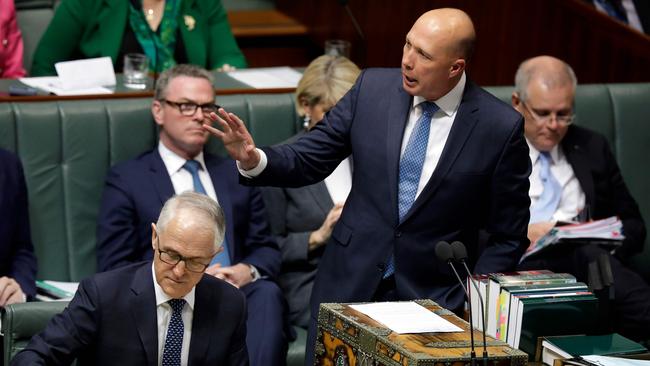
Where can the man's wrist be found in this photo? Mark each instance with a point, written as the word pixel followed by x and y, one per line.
pixel 255 274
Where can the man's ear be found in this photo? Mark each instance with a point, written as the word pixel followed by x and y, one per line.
pixel 515 101
pixel 157 112
pixel 457 68
pixel 154 236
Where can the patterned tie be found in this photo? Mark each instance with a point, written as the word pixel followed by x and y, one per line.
pixel 410 167
pixel 174 339
pixel 548 202
pixel 193 167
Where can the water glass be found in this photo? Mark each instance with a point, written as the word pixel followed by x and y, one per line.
pixel 337 47
pixel 136 68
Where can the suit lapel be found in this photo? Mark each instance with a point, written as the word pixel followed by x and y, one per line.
pixel 398 114
pixel 143 306
pixel 159 177
pixel 203 321
pixel 464 123
pixel 192 27
pixel 575 154
pixel 114 18
pixel 221 189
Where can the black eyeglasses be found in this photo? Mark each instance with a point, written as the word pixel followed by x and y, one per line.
pixel 191 264
pixel 188 108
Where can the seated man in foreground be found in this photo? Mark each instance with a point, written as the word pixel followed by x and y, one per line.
pixel 136 190
pixel 574 171
pixel 169 312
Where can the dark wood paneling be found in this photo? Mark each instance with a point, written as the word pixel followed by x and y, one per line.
pixel 509 31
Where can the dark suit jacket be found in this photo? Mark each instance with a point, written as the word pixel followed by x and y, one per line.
pixel 135 193
pixel 293 214
pixel 112 321
pixel 481 182
pixel 17 258
pixel 605 191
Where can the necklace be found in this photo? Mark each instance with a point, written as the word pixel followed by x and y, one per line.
pixel 148 14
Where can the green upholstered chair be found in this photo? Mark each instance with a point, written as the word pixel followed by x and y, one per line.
pixel 21 321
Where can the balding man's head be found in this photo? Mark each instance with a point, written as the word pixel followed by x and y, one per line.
pixel 436 52
pixel 551 72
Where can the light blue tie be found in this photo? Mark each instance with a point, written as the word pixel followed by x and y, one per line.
pixel 410 168
pixel 193 167
pixel 174 339
pixel 548 202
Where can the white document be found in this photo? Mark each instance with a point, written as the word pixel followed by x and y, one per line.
pixel 267 77
pixel 406 317
pixel 52 84
pixel 84 74
pixel 70 287
pixel 615 361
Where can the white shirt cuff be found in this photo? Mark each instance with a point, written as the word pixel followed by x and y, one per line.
pixel 252 173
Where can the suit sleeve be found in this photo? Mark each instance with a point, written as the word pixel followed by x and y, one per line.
pixel 222 46
pixel 61 37
pixel 116 225
pixel 294 246
pixel 508 213
pixel 261 250
pixel 23 262
pixel 67 334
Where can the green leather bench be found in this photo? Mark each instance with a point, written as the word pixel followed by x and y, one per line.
pixel 67 147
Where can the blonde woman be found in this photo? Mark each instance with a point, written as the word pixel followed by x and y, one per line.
pixel 302 218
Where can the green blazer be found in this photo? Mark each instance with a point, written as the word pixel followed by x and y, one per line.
pixel 95 28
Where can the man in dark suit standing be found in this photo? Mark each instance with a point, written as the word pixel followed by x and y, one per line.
pixel 166 313
pixel 435 158
pixel 17 260
pixel 136 190
pixel 588 183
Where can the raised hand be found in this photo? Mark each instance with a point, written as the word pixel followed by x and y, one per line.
pixel 235 137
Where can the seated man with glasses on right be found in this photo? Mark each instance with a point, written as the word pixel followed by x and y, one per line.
pixel 577 168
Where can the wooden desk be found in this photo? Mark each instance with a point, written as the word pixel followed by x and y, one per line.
pixel 224 85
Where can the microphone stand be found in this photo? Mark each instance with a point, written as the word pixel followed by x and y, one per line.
pixel 473 282
pixel 471 321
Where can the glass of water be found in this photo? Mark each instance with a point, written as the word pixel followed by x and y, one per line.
pixel 136 68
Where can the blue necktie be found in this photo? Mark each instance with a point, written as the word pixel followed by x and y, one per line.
pixel 174 339
pixel 548 202
pixel 193 167
pixel 410 167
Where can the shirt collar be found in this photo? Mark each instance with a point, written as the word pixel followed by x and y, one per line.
pixel 449 102
pixel 162 297
pixel 533 153
pixel 173 162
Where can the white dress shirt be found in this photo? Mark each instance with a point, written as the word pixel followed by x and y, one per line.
pixel 164 315
pixel 181 178
pixel 441 123
pixel 572 201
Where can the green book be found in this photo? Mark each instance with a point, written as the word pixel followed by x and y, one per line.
pixel 562 347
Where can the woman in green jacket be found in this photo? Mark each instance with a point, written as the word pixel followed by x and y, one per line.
pixel 167 31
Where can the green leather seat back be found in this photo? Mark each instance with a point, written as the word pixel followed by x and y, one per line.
pixel 21 321
pixel 67 148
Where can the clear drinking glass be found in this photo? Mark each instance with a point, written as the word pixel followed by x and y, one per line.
pixel 337 47
pixel 136 68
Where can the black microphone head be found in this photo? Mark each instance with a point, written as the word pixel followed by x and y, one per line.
pixel 459 251
pixel 443 251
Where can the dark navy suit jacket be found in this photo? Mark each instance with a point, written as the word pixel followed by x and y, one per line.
pixel 480 184
pixel 136 191
pixel 112 321
pixel 17 258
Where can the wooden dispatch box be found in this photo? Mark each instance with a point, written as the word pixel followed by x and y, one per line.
pixel 348 337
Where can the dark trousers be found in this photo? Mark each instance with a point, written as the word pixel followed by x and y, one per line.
pixel 630 308
pixel 266 325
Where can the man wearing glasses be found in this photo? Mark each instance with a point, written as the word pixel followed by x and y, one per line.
pixel 575 177
pixel 168 312
pixel 136 190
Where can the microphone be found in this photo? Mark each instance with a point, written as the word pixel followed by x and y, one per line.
pixel 445 253
pixel 460 254
pixel 356 25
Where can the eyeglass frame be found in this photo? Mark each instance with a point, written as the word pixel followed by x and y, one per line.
pixel 546 119
pixel 193 106
pixel 180 258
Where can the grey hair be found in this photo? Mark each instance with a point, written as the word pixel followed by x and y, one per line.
pixel 202 206
pixel 528 70
pixel 176 71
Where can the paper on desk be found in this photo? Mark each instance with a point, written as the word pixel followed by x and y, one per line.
pixel 614 361
pixel 52 84
pixel 268 77
pixel 406 317
pixel 84 74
